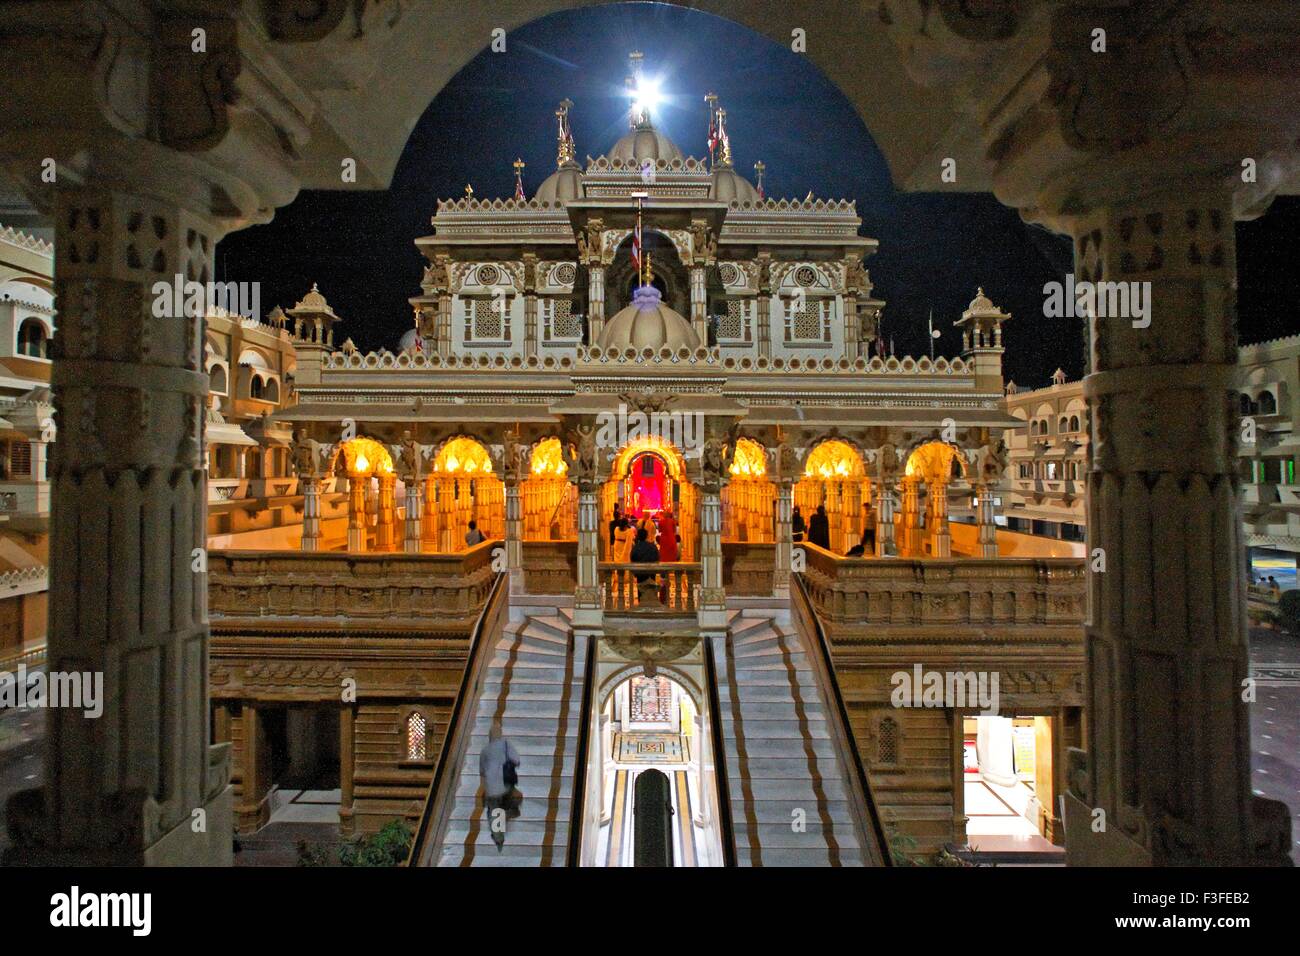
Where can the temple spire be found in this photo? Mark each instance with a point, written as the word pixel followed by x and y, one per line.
pixel 566 152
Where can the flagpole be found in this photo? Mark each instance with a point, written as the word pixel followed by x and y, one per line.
pixel 930 327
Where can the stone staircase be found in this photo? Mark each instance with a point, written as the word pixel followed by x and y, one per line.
pixel 780 757
pixel 533 685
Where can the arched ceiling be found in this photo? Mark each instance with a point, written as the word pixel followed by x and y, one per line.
pixel 365 93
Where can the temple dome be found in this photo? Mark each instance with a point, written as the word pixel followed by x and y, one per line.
pixel 729 185
pixel 645 142
pixel 562 185
pixel 648 323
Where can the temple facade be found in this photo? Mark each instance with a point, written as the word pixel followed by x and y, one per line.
pixel 421 655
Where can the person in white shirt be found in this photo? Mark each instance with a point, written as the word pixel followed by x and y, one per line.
pixel 498 794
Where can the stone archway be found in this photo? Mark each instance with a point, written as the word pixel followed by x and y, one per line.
pixel 1138 156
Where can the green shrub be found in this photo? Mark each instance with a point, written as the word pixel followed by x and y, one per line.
pixel 389 847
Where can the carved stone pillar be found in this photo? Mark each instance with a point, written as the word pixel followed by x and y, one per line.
pixel 386 523
pixel 514 534
pixel 784 540
pixel 595 300
pixel 988 529
pixel 937 519
pixel 414 530
pixel 357 513
pixel 310 514
pixel 911 517
pixel 885 519
pixel 1168 732
pixel 429 530
pixel 137 783
pixel 713 599
pixel 699 304
pixel 587 604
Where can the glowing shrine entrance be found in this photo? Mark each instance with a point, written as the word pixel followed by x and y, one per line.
pixel 647 488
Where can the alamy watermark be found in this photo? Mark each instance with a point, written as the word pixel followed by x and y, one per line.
pixel 922 688
pixel 77 690
pixel 182 297
pixel 685 430
pixel 1102 300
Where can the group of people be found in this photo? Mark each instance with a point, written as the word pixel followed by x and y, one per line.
pixel 817 530
pixel 649 538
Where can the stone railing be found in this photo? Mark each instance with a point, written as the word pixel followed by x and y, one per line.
pixel 644 588
pixel 889 593
pixel 375 591
pixel 550 567
pixel 24 580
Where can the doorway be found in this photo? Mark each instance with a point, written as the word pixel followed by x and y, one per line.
pixel 650 725
pixel 1008 785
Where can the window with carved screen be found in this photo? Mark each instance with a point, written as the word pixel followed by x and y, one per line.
pixel 416 737
pixel 732 325
pixel 564 324
pixel 887 741
pixel 487 320
pixel 806 320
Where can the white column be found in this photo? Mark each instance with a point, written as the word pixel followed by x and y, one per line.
pixel 784 541
pixel 587 605
pixel 885 518
pixel 595 301
pixel 699 304
pixel 514 536
pixel 414 529
pixel 712 613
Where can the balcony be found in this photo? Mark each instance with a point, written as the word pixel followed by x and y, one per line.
pixel 950 595
pixel 390 592
pixel 650 589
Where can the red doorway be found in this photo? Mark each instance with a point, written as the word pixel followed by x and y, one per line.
pixel 648 490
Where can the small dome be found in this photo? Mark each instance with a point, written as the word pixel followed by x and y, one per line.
pixel 562 185
pixel 645 142
pixel 980 303
pixel 729 185
pixel 648 323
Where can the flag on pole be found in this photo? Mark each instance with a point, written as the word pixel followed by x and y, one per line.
pixel 712 100
pixel 519 179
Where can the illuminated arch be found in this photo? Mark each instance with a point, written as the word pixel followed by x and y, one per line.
pixel 750 460
pixel 834 459
pixel 674 673
pixel 365 457
pixel 673 459
pixel 548 460
pixel 462 456
pixel 932 462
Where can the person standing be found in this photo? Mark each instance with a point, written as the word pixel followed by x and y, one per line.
pixel 668 537
pixel 797 526
pixel 473 536
pixel 819 529
pixel 613 526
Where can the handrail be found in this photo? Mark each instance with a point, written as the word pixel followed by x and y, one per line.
pixel 726 831
pixel 456 740
pixel 31 657
pixel 824 668
pixel 578 800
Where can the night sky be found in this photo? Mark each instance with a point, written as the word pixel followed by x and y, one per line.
pixel 934 248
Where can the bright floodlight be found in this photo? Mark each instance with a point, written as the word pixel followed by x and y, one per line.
pixel 646 96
